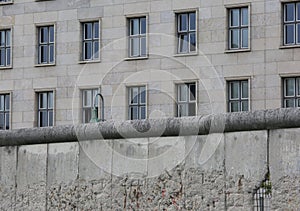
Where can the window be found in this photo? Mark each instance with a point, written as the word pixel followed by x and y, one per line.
pixel 46 49
pixel 291 92
pixel 5 48
pixel 4 111
pixel 88 102
pixel 186 99
pixel 45 109
pixel 238 96
pixel 137 102
pixel 238 28
pixel 186 32
pixel 137 37
pixel 262 195
pixel 90 41
pixel 5 1
pixel 291 23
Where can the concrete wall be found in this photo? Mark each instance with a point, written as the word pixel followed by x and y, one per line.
pixel 208 172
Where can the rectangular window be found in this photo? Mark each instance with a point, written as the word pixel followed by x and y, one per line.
pixel 137 102
pixel 291 92
pixel 90 41
pixel 186 32
pixel 45 109
pixel 137 37
pixel 186 99
pixel 291 23
pixel 88 102
pixel 5 48
pixel 46 45
pixel 4 111
pixel 238 96
pixel 5 1
pixel 238 28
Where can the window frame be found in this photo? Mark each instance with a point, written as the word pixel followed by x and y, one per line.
pixel 188 101
pixel 240 27
pixel 295 23
pixel 47 108
pixel 139 104
pixel 139 36
pixel 47 44
pixel 296 96
pixel 5 111
pixel 93 40
pixel 84 107
pixel 240 100
pixel 188 32
pixel 10 47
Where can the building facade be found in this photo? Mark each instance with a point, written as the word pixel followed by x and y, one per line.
pixel 148 58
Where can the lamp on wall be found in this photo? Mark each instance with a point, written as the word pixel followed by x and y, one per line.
pixel 94 117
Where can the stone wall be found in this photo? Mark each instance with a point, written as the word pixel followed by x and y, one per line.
pixel 218 171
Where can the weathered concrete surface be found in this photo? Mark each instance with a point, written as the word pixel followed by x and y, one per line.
pixel 200 125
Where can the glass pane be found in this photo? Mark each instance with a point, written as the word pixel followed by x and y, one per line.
pixel 2 103
pixel 44 35
pixel 244 89
pixel 298 11
pixel 143 25
pixel 43 100
pixel 86 115
pixel 298 100
pixel 51 34
pixel 8 56
pixel 143 46
pixel 183 43
pixel 50 100
pixel 244 38
pixel 43 119
pixel 2 38
pixel 244 16
pixel 182 110
pixel 183 22
pixel 234 90
pixel 95 100
pixel 192 92
pixel 182 93
pixel 7 102
pixel 234 38
pixel 289 12
pixel 298 86
pixel 43 54
pixel 290 103
pixel 88 31
pixel 234 107
pixel 96 50
pixel 289 34
pixel 50 118
pixel 192 109
pixel 135 29
pixel 88 50
pixel 7 121
pixel 51 53
pixel 135 46
pixel 8 38
pixel 143 112
pixel 87 98
pixel 193 42
pixel 142 95
pixel 192 21
pixel 2 121
pixel 290 87
pixel 2 57
pixel 134 112
pixel 134 95
pixel 245 106
pixel 298 33
pixel 234 17
pixel 96 30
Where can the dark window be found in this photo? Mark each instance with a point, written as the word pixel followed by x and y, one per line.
pixel 46 45
pixel 186 32
pixel 90 36
pixel 88 102
pixel 45 109
pixel 291 23
pixel 238 96
pixel 186 99
pixel 137 37
pixel 137 102
pixel 4 111
pixel 291 92
pixel 5 48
